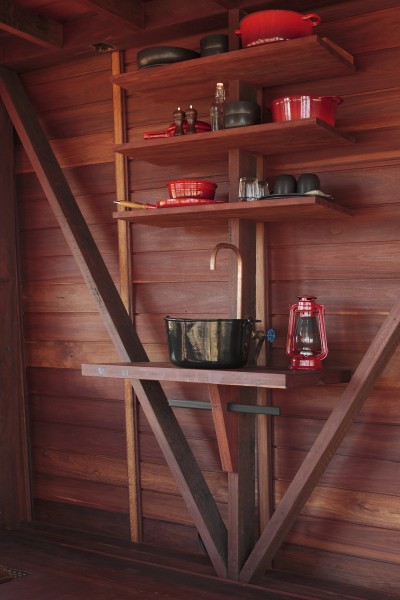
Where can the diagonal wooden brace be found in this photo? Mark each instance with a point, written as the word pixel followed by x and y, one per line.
pixel 226 425
pixel 370 368
pixel 172 441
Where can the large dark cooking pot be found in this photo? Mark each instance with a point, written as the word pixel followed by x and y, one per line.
pixel 211 343
pixel 268 26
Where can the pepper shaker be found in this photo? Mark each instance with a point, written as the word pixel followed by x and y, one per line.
pixel 191 118
pixel 179 117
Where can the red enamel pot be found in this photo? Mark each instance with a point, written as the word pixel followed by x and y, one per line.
pixel 289 108
pixel 268 26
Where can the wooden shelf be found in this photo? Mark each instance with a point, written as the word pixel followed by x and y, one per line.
pixel 284 209
pixel 264 139
pixel 301 59
pixel 248 376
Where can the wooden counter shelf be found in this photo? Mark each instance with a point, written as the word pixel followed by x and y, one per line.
pixel 247 376
pixel 301 59
pixel 278 209
pixel 223 388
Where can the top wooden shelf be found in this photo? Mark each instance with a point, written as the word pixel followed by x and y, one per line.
pixel 301 59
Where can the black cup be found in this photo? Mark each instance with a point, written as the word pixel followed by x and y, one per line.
pixel 308 182
pixel 285 184
pixel 214 44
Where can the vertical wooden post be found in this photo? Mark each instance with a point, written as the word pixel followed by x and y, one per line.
pixel 241 489
pixel 125 269
pixel 241 484
pixel 264 395
pixel 15 502
pixel 264 459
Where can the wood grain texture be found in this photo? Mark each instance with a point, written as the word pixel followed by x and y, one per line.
pixel 15 496
pixel 88 494
pixel 80 518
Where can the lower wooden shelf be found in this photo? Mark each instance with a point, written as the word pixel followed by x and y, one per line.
pixel 248 376
pixel 268 210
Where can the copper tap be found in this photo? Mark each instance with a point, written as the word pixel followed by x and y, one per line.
pixel 239 272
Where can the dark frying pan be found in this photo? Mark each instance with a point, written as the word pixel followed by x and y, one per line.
pixel 162 55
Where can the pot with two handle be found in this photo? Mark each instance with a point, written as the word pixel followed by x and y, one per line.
pixel 268 26
pixel 211 343
pixel 289 108
pixel 214 343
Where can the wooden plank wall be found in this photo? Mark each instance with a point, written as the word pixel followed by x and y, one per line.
pixel 352 520
pixel 77 426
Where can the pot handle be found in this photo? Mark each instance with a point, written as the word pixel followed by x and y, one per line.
pixel 313 18
pixel 260 336
pixel 238 32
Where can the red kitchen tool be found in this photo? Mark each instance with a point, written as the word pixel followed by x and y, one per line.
pixel 171 202
pixel 200 127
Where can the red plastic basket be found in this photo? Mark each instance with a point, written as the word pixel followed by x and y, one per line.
pixel 191 188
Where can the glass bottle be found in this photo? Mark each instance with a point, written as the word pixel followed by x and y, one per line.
pixel 217 108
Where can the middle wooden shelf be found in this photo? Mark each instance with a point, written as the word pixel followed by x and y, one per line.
pixel 264 139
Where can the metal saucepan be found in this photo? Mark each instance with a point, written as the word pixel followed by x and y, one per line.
pixel 211 343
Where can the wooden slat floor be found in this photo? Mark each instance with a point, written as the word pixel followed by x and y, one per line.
pixel 74 568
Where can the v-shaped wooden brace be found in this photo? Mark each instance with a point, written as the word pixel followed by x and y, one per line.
pixel 152 398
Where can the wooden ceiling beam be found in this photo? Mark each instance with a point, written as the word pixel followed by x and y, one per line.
pixel 29 25
pixel 128 12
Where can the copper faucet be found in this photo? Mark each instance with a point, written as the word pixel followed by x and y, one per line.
pixel 239 272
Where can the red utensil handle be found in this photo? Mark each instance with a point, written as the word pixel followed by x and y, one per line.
pixel 313 18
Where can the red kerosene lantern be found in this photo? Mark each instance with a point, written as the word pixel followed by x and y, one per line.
pixel 306 339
